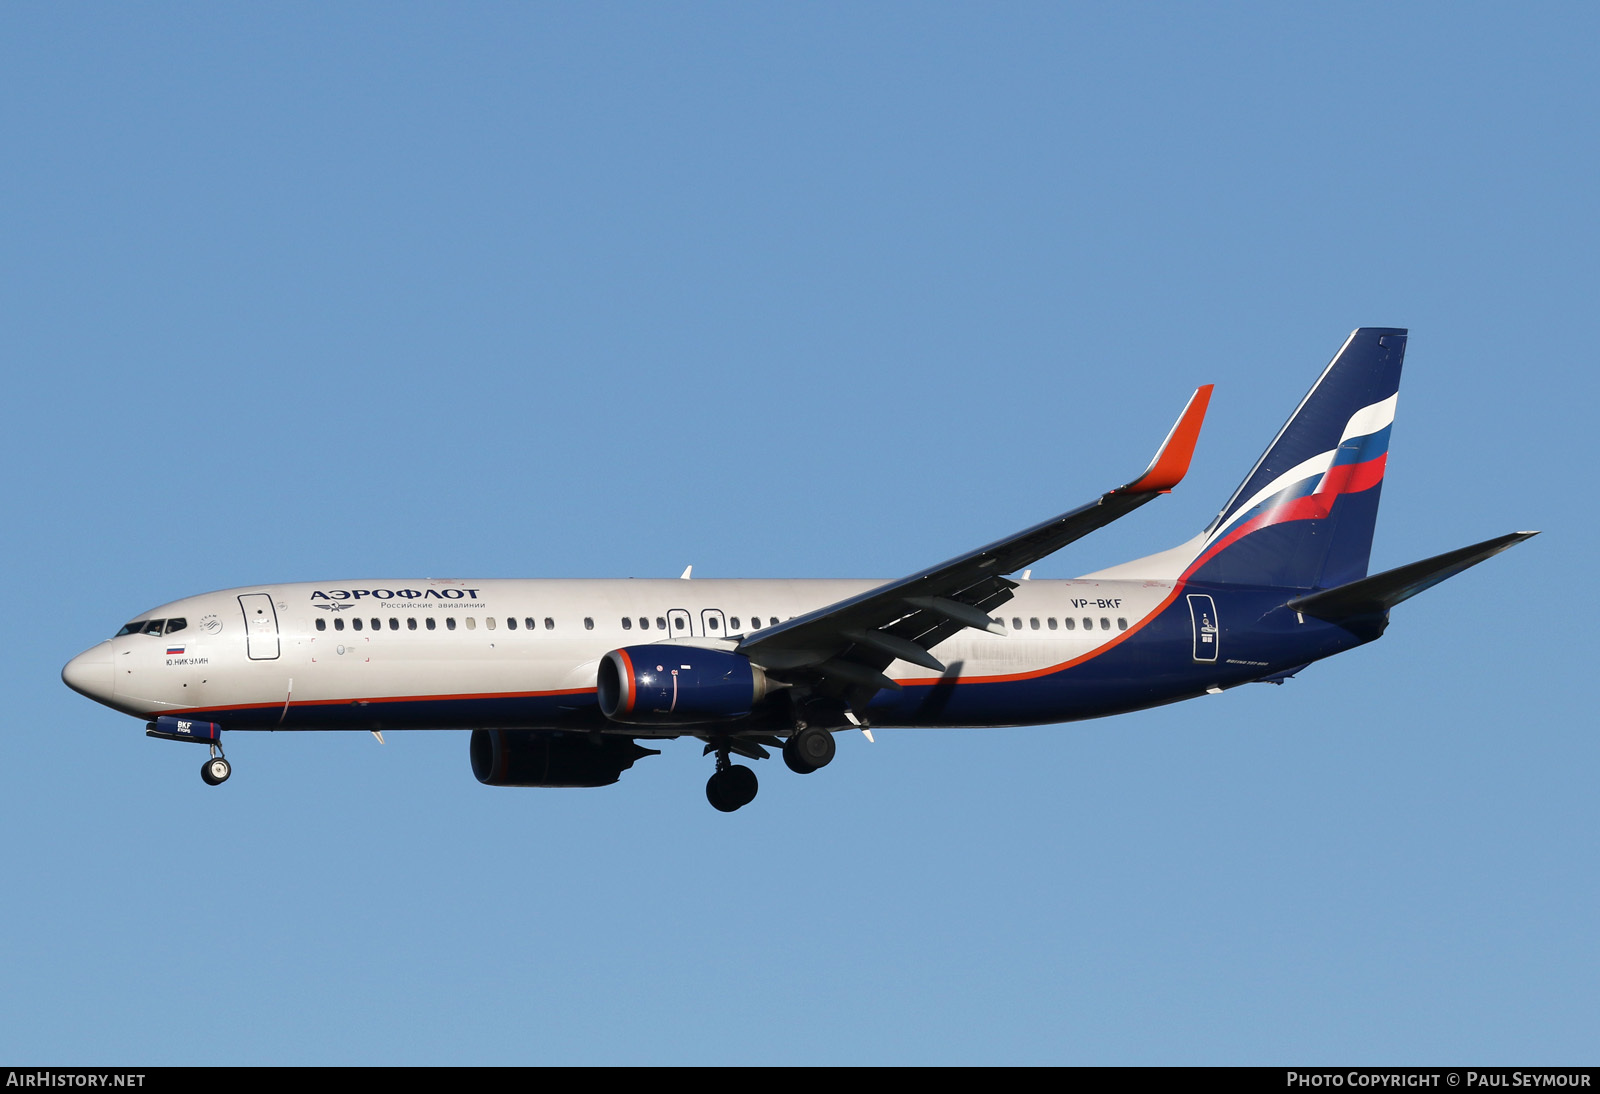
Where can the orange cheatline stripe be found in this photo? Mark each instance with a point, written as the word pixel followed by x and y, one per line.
pixel 929 681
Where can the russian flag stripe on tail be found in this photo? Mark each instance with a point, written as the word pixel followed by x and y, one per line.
pixel 1305 514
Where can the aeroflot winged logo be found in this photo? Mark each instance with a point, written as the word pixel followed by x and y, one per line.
pixel 389 594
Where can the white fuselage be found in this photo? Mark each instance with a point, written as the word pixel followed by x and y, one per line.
pixel 292 646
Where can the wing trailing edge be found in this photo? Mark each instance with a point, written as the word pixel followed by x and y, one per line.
pixel 849 644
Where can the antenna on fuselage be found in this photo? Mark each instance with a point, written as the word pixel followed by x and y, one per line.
pixel 687 570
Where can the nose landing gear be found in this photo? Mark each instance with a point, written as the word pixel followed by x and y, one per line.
pixel 215 771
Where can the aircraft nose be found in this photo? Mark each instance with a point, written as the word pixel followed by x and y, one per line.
pixel 90 673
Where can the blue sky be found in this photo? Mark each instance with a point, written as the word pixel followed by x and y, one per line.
pixel 319 292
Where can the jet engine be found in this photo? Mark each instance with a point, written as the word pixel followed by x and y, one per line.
pixel 532 757
pixel 667 684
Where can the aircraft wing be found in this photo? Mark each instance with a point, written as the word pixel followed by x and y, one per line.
pixel 846 646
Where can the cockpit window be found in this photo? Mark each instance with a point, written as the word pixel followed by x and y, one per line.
pixel 154 626
pixel 130 628
pixel 176 625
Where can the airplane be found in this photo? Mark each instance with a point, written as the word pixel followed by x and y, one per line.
pixel 560 680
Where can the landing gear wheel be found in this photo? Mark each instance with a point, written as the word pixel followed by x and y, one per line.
pixel 808 750
pixel 216 770
pixel 715 796
pixel 732 788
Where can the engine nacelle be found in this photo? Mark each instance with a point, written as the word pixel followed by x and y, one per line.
pixel 533 757
pixel 169 728
pixel 667 684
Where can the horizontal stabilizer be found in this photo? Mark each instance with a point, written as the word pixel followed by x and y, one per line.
pixel 1377 594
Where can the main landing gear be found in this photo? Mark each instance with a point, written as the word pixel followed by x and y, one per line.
pixel 808 750
pixel 215 771
pixel 731 786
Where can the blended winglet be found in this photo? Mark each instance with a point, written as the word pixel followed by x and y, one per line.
pixel 1172 461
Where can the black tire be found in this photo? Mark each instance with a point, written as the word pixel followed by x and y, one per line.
pixel 216 770
pixel 813 747
pixel 793 760
pixel 739 785
pixel 716 796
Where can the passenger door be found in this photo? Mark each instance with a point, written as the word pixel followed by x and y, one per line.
pixel 260 626
pixel 1207 634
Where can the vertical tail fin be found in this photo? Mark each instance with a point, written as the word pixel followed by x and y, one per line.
pixel 1305 514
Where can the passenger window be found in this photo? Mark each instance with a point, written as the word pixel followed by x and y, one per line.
pixel 527 623
pixel 411 622
pixel 1122 624
pixel 733 624
pixel 511 622
pixel 1016 623
pixel 449 622
pixel 1088 624
pixel 394 622
pixel 154 626
pixel 489 622
pixel 377 624
pixel 680 622
pixel 433 623
pixel 338 622
pixel 773 621
pixel 472 623
pixel 588 623
pixel 355 624
pixel 711 622
pixel 176 625
pixel 1070 623
pixel 1105 624
pixel 322 622
pixel 549 624
pixel 661 623
pixel 1052 622
pixel 627 624
pixel 644 622
pixel 1033 623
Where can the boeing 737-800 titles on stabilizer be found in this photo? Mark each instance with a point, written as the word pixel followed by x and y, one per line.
pixel 559 680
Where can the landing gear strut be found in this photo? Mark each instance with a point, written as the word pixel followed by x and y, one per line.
pixel 809 749
pixel 731 786
pixel 215 771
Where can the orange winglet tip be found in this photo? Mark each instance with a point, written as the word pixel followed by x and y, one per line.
pixel 1172 462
